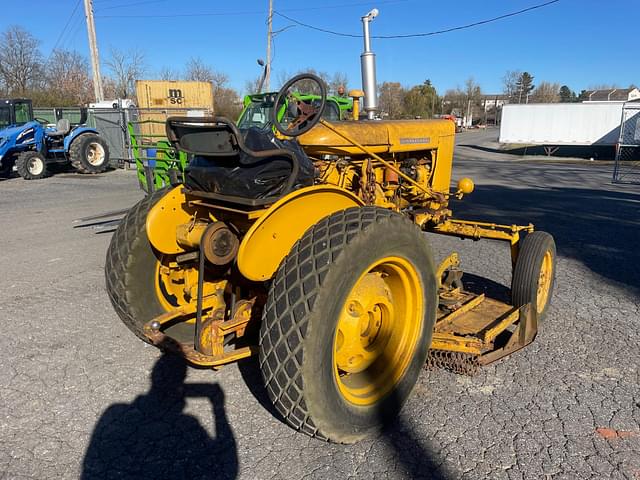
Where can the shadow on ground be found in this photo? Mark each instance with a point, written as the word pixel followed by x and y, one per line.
pixel 599 228
pixel 568 151
pixel 412 453
pixel 152 438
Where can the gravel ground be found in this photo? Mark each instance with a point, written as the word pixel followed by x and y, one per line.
pixel 80 396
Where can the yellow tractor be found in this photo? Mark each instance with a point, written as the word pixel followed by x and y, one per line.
pixel 306 247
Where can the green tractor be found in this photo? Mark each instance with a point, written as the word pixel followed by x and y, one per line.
pixel 158 164
pixel 257 108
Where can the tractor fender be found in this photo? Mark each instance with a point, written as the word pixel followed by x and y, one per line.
pixel 75 133
pixel 271 237
pixel 163 220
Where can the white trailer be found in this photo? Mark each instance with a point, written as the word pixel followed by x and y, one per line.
pixel 559 124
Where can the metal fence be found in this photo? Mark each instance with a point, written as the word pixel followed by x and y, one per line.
pixel 627 165
pixel 112 124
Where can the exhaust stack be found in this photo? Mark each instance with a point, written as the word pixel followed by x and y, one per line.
pixel 368 66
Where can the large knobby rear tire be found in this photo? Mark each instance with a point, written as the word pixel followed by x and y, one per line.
pixel 362 271
pixel 534 272
pixel 131 270
pixel 32 165
pixel 89 153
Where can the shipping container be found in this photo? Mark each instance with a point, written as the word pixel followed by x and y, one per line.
pixel 156 95
pixel 174 94
pixel 580 124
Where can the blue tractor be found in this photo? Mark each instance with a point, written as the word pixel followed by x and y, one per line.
pixel 30 147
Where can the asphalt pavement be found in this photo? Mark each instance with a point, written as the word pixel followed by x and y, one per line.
pixel 80 396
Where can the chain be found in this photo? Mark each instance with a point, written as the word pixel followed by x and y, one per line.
pixel 455 362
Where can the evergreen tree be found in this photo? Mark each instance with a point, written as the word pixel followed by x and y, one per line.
pixel 583 97
pixel 567 95
pixel 524 86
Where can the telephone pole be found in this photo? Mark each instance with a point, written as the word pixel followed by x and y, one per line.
pixel 267 76
pixel 93 48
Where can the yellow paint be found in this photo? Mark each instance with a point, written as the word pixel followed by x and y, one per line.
pixel 177 286
pixel 465 186
pixel 452 261
pixel 544 281
pixel 478 230
pixel 378 331
pixel 188 235
pixel 502 325
pixel 163 220
pixel 453 343
pixel 355 96
pixel 273 235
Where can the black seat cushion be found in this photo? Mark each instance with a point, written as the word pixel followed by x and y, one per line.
pixel 247 176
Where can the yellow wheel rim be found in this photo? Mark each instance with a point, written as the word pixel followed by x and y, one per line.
pixel 378 331
pixel 544 281
pixel 177 285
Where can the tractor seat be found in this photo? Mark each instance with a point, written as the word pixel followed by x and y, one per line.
pixel 249 167
pixel 62 128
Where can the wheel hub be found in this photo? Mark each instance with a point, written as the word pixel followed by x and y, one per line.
pixel 364 326
pixel 35 166
pixel 377 331
pixel 95 154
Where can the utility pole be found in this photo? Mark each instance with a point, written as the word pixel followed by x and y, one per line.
pixel 93 48
pixel 267 75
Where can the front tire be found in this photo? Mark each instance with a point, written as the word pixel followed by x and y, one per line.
pixel 534 272
pixel 348 323
pixel 89 153
pixel 31 165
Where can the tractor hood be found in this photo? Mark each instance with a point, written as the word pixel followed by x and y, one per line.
pixel 387 136
pixel 11 131
pixel 13 134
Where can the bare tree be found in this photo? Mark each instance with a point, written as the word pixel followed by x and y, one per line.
pixel 126 67
pixel 391 100
pixel 510 83
pixel 227 102
pixel 455 101
pixel 198 71
pixel 338 79
pixel 472 90
pixel 67 78
pixel 603 86
pixel 169 73
pixel 546 92
pixel 253 85
pixel 20 60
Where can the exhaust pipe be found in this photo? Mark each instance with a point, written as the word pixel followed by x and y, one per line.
pixel 368 67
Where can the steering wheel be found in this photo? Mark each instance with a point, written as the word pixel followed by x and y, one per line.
pixel 299 116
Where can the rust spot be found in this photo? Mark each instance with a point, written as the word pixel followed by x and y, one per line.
pixel 609 433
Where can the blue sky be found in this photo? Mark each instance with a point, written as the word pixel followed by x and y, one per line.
pixel 578 43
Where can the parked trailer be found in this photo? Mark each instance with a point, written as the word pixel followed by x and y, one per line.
pixel 561 124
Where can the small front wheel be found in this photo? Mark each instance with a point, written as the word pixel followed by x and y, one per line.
pixel 348 323
pixel 31 165
pixel 534 272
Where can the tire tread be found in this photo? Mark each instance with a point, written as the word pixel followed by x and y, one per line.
pixel 119 255
pixel 291 298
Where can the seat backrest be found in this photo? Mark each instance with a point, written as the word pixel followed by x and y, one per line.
pixel 63 126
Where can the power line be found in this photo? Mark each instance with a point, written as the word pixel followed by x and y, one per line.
pixel 426 34
pixel 110 7
pixel 64 29
pixel 222 14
